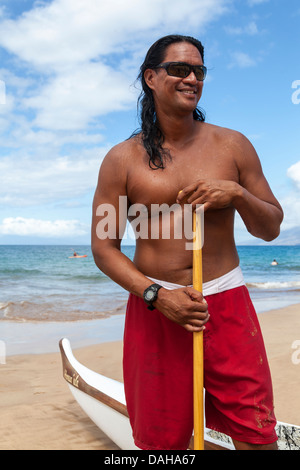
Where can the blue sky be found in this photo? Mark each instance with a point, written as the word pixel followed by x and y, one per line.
pixel 67 95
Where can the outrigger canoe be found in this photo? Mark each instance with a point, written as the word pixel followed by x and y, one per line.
pixel 103 400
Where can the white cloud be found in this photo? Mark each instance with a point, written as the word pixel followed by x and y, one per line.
pixel 29 181
pixel 291 202
pixel 75 48
pixel 42 228
pixel 294 173
pixel 2 92
pixel 242 60
pixel 291 208
pixel 71 62
pixel 251 29
pixel 66 32
pixel 73 98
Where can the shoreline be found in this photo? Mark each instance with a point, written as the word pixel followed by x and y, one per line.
pixel 42 337
pixel 38 411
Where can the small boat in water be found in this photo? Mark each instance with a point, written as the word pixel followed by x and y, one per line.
pixel 77 256
pixel 103 400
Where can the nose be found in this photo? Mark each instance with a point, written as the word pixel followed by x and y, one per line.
pixel 191 78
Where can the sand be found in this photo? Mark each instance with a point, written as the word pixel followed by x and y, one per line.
pixel 38 412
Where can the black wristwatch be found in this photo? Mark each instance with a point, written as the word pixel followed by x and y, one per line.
pixel 150 295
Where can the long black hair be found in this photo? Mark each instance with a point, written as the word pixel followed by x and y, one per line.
pixel 152 136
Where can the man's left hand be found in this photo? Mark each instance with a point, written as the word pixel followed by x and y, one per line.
pixel 211 193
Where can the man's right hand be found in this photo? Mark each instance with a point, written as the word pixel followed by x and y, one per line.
pixel 185 306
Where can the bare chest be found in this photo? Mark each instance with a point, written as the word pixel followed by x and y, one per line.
pixel 147 186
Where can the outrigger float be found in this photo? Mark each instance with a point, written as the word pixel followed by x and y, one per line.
pixel 103 400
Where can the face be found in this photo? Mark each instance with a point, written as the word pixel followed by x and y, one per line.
pixel 173 94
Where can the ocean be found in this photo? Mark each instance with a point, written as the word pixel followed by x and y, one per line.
pixel 43 285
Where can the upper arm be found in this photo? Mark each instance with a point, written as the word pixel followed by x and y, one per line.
pixel 110 201
pixel 251 176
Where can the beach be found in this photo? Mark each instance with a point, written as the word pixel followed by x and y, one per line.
pixel 38 411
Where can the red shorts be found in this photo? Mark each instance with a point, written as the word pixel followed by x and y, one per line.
pixel 158 374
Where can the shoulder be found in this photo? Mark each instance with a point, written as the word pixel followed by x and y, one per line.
pixel 234 144
pixel 125 151
pixel 121 155
pixel 227 136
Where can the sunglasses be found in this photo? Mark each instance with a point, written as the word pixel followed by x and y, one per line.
pixel 183 70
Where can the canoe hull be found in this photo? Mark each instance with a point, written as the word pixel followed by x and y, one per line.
pixel 115 425
pixel 103 400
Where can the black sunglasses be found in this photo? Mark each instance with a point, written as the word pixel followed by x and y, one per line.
pixel 183 70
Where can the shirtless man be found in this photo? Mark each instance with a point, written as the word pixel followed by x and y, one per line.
pixel 220 169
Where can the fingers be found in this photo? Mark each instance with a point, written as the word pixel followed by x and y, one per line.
pixel 185 306
pixel 198 319
pixel 197 325
pixel 197 314
pixel 185 193
pixel 209 193
pixel 195 194
pixel 193 329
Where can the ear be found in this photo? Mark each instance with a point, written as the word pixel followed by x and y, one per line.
pixel 149 76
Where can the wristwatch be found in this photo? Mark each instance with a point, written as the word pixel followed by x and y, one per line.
pixel 150 295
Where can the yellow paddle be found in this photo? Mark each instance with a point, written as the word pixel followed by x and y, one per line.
pixel 198 339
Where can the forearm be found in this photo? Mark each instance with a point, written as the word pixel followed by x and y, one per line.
pixel 261 218
pixel 118 267
pixel 184 306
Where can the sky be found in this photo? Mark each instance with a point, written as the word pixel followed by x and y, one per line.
pixel 68 94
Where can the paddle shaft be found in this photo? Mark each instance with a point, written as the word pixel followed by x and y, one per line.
pixel 198 340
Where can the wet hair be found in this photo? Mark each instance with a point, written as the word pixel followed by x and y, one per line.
pixel 152 136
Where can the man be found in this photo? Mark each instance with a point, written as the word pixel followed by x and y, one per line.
pixel 218 168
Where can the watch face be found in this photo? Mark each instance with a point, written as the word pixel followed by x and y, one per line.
pixel 149 295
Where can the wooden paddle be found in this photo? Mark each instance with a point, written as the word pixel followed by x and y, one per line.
pixel 198 339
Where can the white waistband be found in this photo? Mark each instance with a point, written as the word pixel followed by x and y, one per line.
pixel 228 281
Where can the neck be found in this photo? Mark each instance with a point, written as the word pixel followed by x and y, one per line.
pixel 177 129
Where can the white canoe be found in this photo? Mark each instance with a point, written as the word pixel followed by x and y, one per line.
pixel 103 400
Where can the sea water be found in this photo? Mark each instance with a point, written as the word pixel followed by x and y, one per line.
pixel 42 283
pixel 45 294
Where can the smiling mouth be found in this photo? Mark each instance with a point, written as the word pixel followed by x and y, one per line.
pixel 188 92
